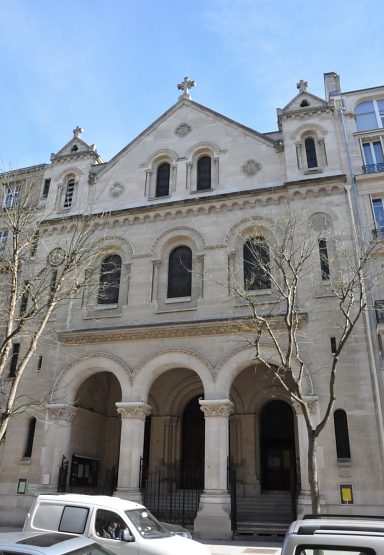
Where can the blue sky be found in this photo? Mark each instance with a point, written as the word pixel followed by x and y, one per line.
pixel 112 67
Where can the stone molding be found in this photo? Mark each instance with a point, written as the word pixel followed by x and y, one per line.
pixel 61 411
pixel 311 401
pixel 188 352
pixel 187 329
pixel 216 407
pixel 138 410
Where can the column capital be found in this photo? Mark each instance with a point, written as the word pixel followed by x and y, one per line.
pixel 61 411
pixel 216 407
pixel 310 400
pixel 133 409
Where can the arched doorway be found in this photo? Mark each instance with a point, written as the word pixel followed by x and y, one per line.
pixel 193 443
pixel 277 446
pixel 95 435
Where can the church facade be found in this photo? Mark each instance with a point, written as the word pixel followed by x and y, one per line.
pixel 158 376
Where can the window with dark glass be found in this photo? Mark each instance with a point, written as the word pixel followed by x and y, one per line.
pixel 14 360
pixel 162 180
pixel 343 450
pixel 109 283
pixel 203 173
pixel 256 261
pixel 12 197
pixel 46 185
pixel 3 238
pixel 34 242
pixel 310 151
pixel 324 260
pixel 180 273
pixel 373 157
pixel 30 437
pixel 24 298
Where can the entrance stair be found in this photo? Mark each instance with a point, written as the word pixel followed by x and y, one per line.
pixel 267 514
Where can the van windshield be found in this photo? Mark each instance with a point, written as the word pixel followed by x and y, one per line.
pixel 146 524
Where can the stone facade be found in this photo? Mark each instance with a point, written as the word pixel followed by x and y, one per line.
pixel 110 368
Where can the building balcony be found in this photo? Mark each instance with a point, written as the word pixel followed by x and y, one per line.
pixel 373 168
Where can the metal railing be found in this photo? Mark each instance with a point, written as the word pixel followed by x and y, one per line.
pixel 373 168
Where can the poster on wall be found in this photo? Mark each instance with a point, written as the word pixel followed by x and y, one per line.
pixel 21 486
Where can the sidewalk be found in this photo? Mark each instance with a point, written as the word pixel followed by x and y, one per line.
pixel 251 546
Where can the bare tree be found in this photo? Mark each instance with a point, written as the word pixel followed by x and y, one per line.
pixel 286 261
pixel 45 264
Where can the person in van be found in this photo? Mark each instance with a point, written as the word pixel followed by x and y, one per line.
pixel 109 530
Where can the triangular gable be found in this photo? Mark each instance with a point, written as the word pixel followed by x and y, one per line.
pixel 172 110
pixel 75 147
pixel 304 100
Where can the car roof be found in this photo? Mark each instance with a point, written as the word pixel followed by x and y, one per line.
pixel 337 525
pixel 102 500
pixel 50 543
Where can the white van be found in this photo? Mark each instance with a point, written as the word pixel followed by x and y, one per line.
pixel 135 530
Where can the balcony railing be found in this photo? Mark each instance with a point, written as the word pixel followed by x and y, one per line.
pixel 379 310
pixel 373 168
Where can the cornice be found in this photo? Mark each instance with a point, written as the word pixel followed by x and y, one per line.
pixel 23 171
pixel 300 114
pixel 165 331
pixel 311 187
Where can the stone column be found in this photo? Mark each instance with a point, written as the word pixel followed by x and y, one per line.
pixel 213 519
pixel 133 415
pixel 58 437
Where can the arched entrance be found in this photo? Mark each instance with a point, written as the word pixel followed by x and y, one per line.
pixel 95 435
pixel 193 440
pixel 277 446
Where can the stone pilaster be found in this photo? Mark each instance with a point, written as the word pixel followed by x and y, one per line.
pixel 213 519
pixel 133 415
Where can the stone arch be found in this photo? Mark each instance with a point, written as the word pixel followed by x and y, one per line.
pixel 73 375
pixel 153 366
pixel 240 229
pixel 175 234
pixel 239 359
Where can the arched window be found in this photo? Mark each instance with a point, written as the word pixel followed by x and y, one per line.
pixel 343 450
pixel 310 151
pixel 109 283
pixel 30 437
pixel 370 115
pixel 180 273
pixel 324 260
pixel 256 264
pixel 69 192
pixel 203 173
pixel 162 180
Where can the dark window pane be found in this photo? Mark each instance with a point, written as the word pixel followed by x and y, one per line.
pixel 256 264
pixel 14 360
pixel 310 150
pixel 204 173
pixel 180 273
pixel 30 438
pixel 109 280
pixel 343 449
pixel 162 180
pixel 324 260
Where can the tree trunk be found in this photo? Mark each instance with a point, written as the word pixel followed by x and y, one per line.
pixel 312 473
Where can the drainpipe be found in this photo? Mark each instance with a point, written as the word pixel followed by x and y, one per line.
pixel 352 199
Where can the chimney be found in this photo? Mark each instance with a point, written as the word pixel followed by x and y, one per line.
pixel 331 84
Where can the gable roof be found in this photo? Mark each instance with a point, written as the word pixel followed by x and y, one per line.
pixel 76 147
pixel 172 110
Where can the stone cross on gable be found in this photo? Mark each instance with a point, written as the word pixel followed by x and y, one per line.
pixel 77 131
pixel 185 86
pixel 302 86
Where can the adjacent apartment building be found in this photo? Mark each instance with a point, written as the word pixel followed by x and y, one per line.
pixel 149 373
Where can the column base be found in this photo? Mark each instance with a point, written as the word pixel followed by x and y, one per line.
pixel 213 518
pixel 130 494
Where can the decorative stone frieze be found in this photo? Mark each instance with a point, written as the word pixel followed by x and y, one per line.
pixel 61 411
pixel 138 410
pixel 311 401
pixel 216 407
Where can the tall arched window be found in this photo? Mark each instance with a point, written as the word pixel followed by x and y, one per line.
pixel 109 283
pixel 162 180
pixel 343 450
pixel 310 151
pixel 30 437
pixel 180 273
pixel 204 179
pixel 370 115
pixel 256 264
